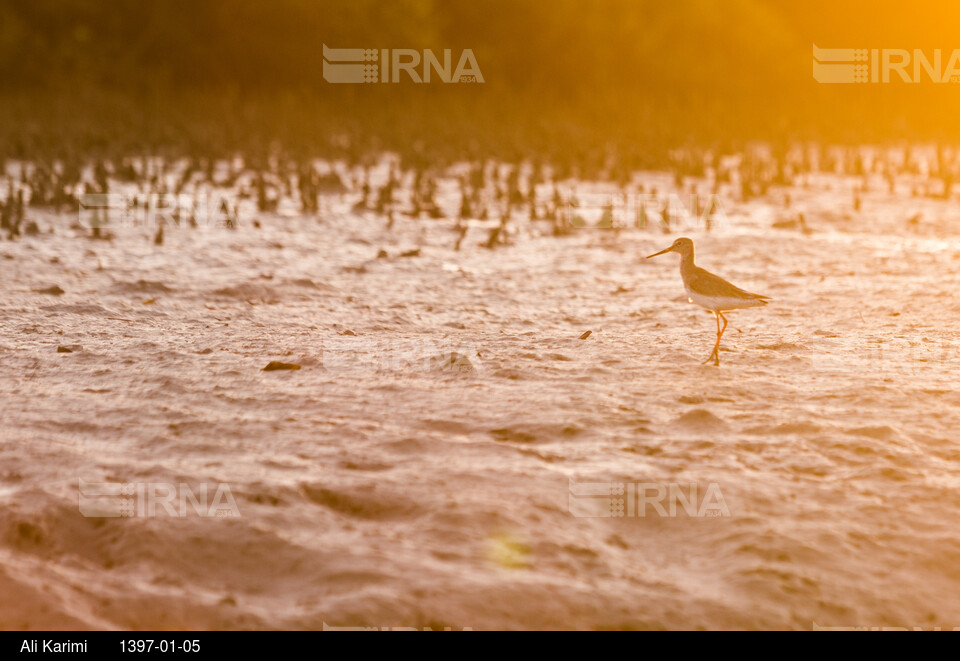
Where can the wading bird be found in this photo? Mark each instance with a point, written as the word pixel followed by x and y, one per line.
pixel 711 291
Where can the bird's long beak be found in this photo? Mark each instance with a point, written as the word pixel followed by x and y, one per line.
pixel 659 253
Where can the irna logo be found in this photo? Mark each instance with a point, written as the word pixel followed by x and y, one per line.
pixel 884 65
pixel 385 65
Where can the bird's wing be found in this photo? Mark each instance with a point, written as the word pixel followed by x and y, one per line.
pixel 706 283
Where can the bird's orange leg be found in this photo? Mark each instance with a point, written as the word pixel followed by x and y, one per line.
pixel 725 322
pixel 720 336
pixel 715 354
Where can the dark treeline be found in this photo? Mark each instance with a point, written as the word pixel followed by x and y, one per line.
pixel 579 79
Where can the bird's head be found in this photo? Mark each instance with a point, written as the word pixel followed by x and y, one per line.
pixel 683 245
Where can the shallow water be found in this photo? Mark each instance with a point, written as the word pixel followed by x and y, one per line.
pixel 380 486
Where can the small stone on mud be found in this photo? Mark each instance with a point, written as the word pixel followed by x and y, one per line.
pixel 274 365
pixel 454 362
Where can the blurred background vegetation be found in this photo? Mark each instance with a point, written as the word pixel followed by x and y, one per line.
pixel 639 77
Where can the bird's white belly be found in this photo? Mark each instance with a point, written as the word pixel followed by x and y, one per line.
pixel 720 302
